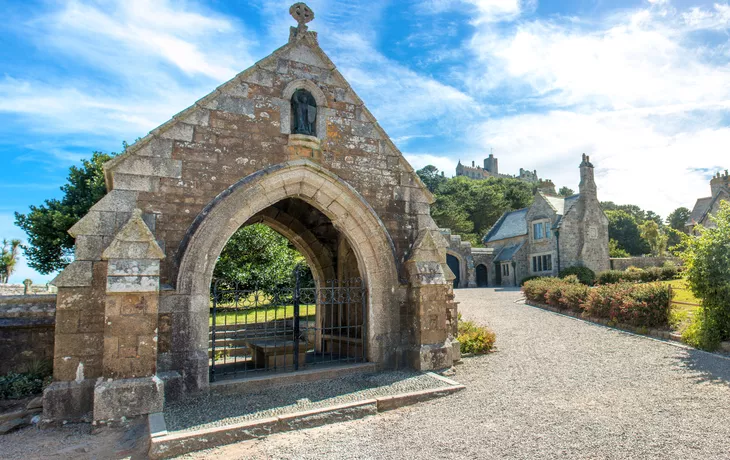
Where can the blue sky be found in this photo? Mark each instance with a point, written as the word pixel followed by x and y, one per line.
pixel 640 85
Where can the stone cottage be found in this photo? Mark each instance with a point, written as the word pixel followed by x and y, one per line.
pixel 286 143
pixel 552 234
pixel 708 206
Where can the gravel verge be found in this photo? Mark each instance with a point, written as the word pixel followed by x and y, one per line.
pixel 214 410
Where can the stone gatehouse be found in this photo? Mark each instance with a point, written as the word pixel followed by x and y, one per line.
pixel 552 234
pixel 287 143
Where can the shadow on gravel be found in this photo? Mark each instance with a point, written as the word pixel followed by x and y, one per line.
pixel 709 367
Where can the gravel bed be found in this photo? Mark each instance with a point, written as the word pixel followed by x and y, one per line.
pixel 556 387
pixel 211 410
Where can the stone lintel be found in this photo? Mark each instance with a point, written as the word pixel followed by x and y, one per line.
pixel 114 399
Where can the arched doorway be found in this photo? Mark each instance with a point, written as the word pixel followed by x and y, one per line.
pixel 482 276
pixel 268 314
pixel 454 265
pixel 269 195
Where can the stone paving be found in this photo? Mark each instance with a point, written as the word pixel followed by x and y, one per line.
pixel 556 387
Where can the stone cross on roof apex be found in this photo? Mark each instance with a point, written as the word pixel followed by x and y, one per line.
pixel 302 14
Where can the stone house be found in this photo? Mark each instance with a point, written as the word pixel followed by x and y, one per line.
pixel 552 234
pixel 708 206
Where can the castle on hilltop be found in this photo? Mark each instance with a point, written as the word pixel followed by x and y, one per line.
pixel 491 169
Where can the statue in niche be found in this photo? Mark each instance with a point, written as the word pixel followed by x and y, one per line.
pixel 304 113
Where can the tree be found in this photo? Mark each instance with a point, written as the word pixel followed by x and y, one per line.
pixel 676 220
pixel 653 235
pixel 50 246
pixel 431 177
pixel 654 217
pixel 614 250
pixel 623 228
pixel 565 191
pixel 707 262
pixel 8 259
pixel 258 257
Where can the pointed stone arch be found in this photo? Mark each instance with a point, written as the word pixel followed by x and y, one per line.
pixel 348 212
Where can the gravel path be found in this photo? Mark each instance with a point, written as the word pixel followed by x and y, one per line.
pixel 555 388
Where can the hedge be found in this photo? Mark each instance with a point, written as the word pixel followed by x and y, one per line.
pixel 638 275
pixel 640 305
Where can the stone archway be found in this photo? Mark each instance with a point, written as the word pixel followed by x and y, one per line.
pixel 305 180
pixel 458 265
pixel 482 275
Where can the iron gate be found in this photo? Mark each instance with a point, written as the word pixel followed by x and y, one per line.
pixel 285 329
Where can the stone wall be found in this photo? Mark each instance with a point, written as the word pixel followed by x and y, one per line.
pixel 27 325
pixel 19 289
pixel 623 263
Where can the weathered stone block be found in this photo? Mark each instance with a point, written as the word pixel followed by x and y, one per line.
pixel 133 267
pixel 128 398
pixel 76 274
pixel 129 284
pixel 69 401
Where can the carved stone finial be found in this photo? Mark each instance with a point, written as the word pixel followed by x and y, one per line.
pixel 301 13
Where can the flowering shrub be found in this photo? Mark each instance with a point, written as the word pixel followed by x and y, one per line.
pixel 641 305
pixel 475 339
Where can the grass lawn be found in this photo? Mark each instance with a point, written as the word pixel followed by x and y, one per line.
pixel 260 315
pixel 680 315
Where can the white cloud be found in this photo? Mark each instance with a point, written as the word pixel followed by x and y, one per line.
pixel 136 63
pixel 637 91
pixel 419 160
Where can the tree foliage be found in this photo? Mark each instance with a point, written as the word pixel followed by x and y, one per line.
pixel 565 191
pixel 652 234
pixel 50 247
pixel 8 259
pixel 675 221
pixel 614 250
pixel 470 207
pixel 258 257
pixel 623 228
pixel 707 262
pixel 431 177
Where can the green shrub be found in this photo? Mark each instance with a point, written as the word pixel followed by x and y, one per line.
pixel 36 375
pixel 565 293
pixel 670 272
pixel 584 274
pixel 641 305
pixel 700 334
pixel 707 262
pixel 474 338
pixel 529 278
pixel 610 277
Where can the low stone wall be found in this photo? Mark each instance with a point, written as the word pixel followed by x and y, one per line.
pixel 27 325
pixel 642 262
pixel 7 289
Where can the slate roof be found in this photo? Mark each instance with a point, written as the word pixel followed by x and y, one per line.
pixel 567 205
pixel 508 252
pixel 701 207
pixel 513 223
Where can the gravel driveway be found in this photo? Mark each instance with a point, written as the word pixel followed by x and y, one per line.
pixel 555 388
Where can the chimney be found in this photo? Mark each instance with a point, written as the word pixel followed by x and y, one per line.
pixel 587 186
pixel 719 182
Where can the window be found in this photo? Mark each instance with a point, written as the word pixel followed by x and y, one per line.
pixel 542 263
pixel 537 231
pixel 505 269
pixel 540 230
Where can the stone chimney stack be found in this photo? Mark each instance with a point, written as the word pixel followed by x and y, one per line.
pixel 719 181
pixel 587 186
